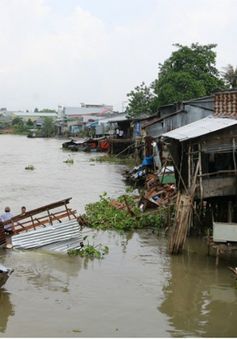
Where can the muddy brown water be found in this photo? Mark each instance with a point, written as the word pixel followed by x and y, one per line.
pixel 137 290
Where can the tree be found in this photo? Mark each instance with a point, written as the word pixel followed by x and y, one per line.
pixel 29 123
pixel 188 73
pixel 48 128
pixel 17 121
pixel 36 110
pixel 230 76
pixel 140 101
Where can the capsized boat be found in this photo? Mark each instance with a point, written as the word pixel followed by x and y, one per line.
pixel 55 223
pixel 100 144
pixel 4 274
pixel 79 144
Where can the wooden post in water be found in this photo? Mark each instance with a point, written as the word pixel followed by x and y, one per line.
pixel 184 209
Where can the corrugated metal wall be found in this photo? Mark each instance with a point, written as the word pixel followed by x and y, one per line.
pixel 191 114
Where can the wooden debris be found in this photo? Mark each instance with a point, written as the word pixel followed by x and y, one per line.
pixel 118 205
pixel 123 206
pixel 234 270
pixel 182 222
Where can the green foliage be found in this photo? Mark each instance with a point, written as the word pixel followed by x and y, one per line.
pixel 29 167
pixel 188 73
pixel 69 161
pixel 17 121
pixel 90 251
pixel 30 123
pixel 113 159
pixel 19 126
pixel 48 128
pixel 103 215
pixel 154 220
pixel 230 76
pixel 140 101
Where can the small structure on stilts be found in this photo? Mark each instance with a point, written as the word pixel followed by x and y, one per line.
pixel 204 155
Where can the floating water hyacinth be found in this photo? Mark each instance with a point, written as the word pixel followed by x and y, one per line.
pixel 29 167
pixel 69 160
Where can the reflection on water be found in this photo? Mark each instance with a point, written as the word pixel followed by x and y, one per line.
pixel 199 299
pixel 45 270
pixel 6 309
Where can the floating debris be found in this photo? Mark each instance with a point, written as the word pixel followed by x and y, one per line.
pixel 234 270
pixel 4 274
pixel 54 227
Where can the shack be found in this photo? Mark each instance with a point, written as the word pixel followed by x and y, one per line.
pixel 205 160
pixel 121 140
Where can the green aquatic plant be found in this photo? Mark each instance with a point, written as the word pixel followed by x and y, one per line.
pixel 90 251
pixel 29 167
pixel 69 161
pixel 113 159
pixel 123 215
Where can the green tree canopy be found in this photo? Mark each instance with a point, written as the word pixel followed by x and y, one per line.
pixel 17 121
pixel 230 76
pixel 188 73
pixel 48 128
pixel 29 123
pixel 140 101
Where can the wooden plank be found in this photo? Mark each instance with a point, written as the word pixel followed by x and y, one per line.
pixel 28 225
pixel 38 210
pixel 2 236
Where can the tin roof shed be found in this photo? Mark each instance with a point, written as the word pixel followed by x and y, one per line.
pixel 199 128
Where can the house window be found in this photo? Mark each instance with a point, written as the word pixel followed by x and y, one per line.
pixel 220 162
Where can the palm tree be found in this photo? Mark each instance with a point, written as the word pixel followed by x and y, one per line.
pixel 230 76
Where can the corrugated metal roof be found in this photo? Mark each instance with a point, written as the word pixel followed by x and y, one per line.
pixel 63 246
pixel 36 114
pixel 199 128
pixel 44 236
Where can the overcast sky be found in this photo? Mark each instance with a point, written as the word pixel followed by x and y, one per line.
pixel 64 52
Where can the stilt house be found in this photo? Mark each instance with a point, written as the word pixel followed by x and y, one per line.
pixel 204 154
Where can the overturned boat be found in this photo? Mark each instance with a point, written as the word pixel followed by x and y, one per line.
pixel 54 226
pixel 4 274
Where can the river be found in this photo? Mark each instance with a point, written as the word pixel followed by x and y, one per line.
pixel 137 290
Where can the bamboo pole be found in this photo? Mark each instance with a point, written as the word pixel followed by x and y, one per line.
pixel 200 171
pixel 189 165
pixel 184 208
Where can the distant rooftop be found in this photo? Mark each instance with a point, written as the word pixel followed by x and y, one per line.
pixel 36 114
pixel 86 109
